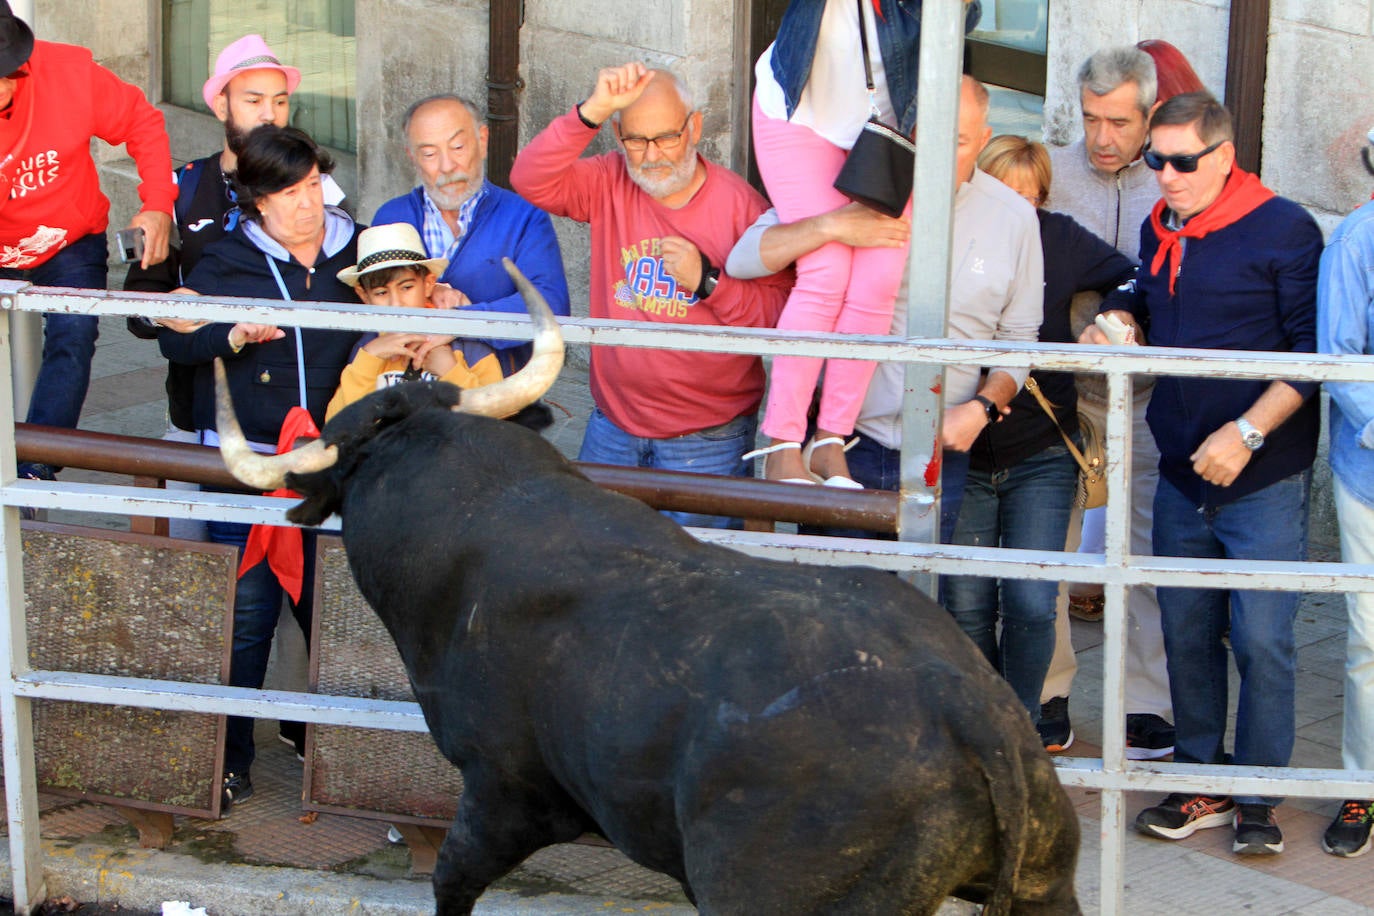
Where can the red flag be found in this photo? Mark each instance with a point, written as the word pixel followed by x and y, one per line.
pixel 282 546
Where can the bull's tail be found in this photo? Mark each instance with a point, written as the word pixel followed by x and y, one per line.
pixel 1010 798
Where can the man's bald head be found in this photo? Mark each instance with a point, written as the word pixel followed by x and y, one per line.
pixel 974 132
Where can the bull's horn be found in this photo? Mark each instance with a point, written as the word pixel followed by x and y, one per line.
pixel 261 472
pixel 510 395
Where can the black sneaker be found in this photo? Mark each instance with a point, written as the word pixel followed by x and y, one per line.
pixel 1055 731
pixel 32 471
pixel 293 733
pixel 238 788
pixel 1349 834
pixel 1257 833
pixel 1148 736
pixel 1181 815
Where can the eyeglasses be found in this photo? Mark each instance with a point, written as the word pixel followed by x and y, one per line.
pixel 1181 163
pixel 664 142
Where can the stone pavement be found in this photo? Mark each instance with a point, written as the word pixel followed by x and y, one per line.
pixel 268 857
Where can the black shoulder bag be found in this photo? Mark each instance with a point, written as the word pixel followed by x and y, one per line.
pixel 879 168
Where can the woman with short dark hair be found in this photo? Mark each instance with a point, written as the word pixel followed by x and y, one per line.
pixel 285 244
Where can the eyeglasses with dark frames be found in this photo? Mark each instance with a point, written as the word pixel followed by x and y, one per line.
pixel 664 142
pixel 1182 162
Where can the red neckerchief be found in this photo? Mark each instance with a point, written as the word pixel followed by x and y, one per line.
pixel 877 8
pixel 1240 196
pixel 282 546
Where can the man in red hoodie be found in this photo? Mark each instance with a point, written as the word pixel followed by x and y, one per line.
pixel 53 99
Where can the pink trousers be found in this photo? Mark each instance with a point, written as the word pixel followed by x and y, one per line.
pixel 839 289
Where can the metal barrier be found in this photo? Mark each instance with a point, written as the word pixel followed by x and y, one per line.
pixel 1116 569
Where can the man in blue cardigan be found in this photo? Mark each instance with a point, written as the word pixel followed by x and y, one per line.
pixel 1227 265
pixel 473 223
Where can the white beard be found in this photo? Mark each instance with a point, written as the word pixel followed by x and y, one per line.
pixel 665 180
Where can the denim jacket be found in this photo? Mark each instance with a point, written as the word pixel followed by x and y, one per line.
pixel 899 37
pixel 1345 324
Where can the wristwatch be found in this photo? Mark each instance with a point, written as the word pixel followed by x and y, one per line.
pixel 1252 437
pixel 990 408
pixel 710 276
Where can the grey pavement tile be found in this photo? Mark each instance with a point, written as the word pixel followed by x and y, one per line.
pixel 1319 697
pixel 1324 656
pixel 1325 733
pixel 1330 906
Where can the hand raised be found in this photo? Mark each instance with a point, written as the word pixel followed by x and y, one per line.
pixel 616 89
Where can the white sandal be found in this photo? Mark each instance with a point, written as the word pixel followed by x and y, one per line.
pixel 768 450
pixel 839 480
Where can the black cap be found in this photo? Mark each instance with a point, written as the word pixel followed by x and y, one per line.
pixel 16 40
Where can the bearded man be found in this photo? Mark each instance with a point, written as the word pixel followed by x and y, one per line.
pixel 473 223
pixel 663 220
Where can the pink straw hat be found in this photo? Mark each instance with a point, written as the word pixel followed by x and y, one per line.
pixel 248 53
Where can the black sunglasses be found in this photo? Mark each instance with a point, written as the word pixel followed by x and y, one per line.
pixel 1181 163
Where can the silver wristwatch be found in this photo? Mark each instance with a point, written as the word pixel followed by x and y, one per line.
pixel 1252 437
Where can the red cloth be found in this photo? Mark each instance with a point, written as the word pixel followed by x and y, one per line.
pixel 1240 196
pixel 55 195
pixel 282 546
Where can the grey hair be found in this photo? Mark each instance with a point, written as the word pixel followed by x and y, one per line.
pixel 478 116
pixel 1111 68
pixel 684 92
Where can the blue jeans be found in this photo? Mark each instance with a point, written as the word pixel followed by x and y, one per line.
pixel 1270 524
pixel 878 467
pixel 257 605
pixel 709 451
pixel 68 340
pixel 1027 507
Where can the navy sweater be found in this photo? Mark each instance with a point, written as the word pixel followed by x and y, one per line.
pixel 1249 286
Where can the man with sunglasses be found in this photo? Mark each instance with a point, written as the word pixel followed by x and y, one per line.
pixel 663 220
pixel 1101 181
pixel 1227 265
pixel 53 215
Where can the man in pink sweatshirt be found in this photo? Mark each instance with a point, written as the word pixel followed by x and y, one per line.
pixel 663 221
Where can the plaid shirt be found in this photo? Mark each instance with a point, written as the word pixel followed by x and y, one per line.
pixel 440 241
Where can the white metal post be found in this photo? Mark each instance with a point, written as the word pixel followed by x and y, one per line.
pixel 932 218
pixel 21 779
pixel 1120 402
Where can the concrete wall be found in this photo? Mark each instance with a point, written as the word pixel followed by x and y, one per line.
pixel 562 45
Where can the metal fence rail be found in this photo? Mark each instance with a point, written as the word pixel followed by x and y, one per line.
pixel 1116 568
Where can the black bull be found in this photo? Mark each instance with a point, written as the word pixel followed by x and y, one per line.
pixel 781 738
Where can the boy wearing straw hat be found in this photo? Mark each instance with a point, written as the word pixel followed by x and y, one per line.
pixel 392 269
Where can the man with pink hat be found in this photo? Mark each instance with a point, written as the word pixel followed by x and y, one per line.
pixel 53 99
pixel 248 87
